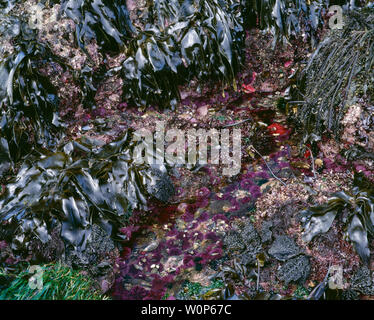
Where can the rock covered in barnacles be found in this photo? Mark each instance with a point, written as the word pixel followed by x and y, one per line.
pixel 162 187
pixel 350 295
pixel 252 242
pixel 233 241
pixel 97 259
pixel 363 282
pixel 250 235
pixel 99 245
pixel 245 242
pixel 297 270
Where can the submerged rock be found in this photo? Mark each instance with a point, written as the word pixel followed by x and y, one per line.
pixel 350 295
pixel 98 258
pixel 250 235
pixel 49 251
pixel 252 241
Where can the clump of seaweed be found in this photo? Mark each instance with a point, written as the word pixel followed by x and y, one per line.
pixel 287 19
pixel 28 100
pixel 107 22
pixel 356 210
pixel 76 187
pixel 189 39
pixel 340 71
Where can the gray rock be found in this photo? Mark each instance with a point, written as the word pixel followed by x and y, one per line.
pixel 297 269
pixel 246 240
pixel 98 246
pixel 362 281
pixel 266 234
pixel 103 268
pixel 162 188
pixel 284 248
pixel 350 295
pixel 252 242
pixel 97 259
pixel 47 252
pixel 233 241
pixel 250 235
pixel 248 257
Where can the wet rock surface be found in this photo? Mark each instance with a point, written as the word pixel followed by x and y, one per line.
pixel 97 260
pixel 233 241
pixel 350 295
pixel 47 252
pixel 252 241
